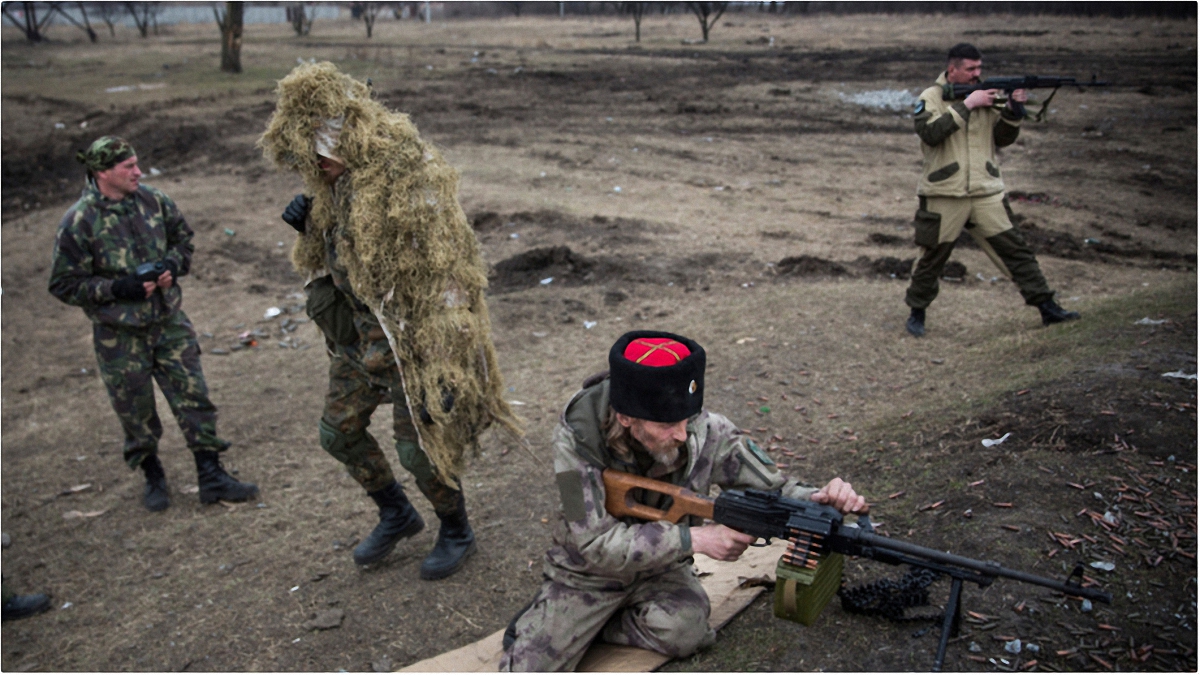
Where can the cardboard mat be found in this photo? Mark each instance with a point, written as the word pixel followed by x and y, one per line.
pixel 720 580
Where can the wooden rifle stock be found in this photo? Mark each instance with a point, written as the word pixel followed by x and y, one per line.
pixel 619 501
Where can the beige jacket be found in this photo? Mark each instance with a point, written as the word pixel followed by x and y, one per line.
pixel 960 145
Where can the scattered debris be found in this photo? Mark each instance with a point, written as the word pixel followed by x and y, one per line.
pixel 325 619
pixel 989 442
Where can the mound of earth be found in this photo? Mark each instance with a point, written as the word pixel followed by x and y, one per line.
pixel 810 266
pixel 887 239
pixel 547 265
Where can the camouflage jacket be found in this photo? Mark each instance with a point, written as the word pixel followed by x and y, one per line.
pixel 960 145
pixel 372 354
pixel 100 241
pixel 593 548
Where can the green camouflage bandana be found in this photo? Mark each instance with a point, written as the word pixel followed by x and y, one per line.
pixel 104 153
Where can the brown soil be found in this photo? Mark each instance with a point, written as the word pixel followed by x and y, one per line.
pixel 732 158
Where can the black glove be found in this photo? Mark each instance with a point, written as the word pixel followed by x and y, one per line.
pixel 172 268
pixel 297 212
pixel 128 288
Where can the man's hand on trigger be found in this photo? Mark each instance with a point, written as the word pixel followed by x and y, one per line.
pixel 165 280
pixel 719 542
pixel 840 495
pixel 297 212
pixel 982 98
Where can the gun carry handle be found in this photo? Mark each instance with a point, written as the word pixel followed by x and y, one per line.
pixel 620 503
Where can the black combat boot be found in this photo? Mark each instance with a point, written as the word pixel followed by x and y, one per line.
pixel 215 484
pixel 1052 313
pixel 397 520
pixel 156 498
pixel 455 542
pixel 916 323
pixel 24 606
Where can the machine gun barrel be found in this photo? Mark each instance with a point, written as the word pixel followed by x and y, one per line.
pixel 1010 84
pixel 855 541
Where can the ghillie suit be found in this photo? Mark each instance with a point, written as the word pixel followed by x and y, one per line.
pixel 414 260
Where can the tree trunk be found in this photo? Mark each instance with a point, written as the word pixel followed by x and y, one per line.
pixel 231 37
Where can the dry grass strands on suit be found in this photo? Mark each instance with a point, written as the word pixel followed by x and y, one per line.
pixel 415 260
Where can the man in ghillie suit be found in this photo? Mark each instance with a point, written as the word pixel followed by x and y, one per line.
pixel 396 285
pixel 119 251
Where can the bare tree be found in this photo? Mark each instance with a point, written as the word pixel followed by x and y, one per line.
pixel 301 20
pixel 31 26
pixel 109 12
pixel 638 10
pixel 142 21
pixel 707 13
pixel 230 23
pixel 369 11
pixel 86 26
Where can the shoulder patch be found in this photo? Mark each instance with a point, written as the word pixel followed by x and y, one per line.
pixel 570 491
pixel 920 107
pixel 758 452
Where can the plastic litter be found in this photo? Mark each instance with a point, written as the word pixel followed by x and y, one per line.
pixel 589 324
pixel 1102 565
pixel 1013 646
pixel 989 442
pixel 272 312
pixel 59 125
pixel 229 232
pixel 616 188
pixel 1085 606
pixel 155 172
pixel 1147 321
pixel 1180 375
pixel 547 281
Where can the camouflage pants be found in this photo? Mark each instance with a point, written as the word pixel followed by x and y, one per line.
pixel 987 219
pixel 130 358
pixel 352 399
pixel 666 613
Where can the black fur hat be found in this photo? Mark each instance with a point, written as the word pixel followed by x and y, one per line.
pixel 656 376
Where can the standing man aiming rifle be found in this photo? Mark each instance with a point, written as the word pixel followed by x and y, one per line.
pixel 619 579
pixel 961 187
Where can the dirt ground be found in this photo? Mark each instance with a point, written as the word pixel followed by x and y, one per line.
pixel 727 191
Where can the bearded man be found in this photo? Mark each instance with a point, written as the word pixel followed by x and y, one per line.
pixel 625 581
pixel 961 187
pixel 396 287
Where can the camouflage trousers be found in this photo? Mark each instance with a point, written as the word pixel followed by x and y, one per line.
pixel 666 613
pixel 353 396
pixel 131 359
pixel 940 220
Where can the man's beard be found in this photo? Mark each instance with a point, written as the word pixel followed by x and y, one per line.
pixel 664 457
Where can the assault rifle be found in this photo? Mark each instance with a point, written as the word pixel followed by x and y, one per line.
pixel 814 530
pixel 953 92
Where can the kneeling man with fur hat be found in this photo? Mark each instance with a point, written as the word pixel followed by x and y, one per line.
pixel 626 581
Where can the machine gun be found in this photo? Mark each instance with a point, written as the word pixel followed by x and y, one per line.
pixel 954 92
pixel 815 533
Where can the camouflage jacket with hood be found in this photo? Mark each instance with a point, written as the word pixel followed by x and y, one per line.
pixel 960 145
pixel 593 549
pixel 100 240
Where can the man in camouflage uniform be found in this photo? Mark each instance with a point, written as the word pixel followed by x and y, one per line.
pixel 961 186
pixel 626 581
pixel 118 253
pixel 363 374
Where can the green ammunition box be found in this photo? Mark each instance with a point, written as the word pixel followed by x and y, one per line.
pixel 801 594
